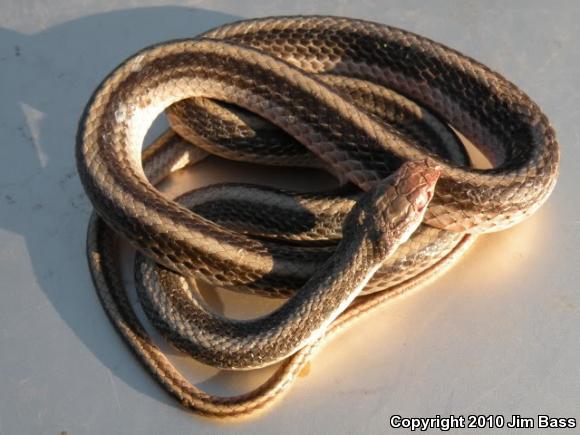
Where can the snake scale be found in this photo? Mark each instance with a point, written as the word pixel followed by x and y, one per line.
pixel 376 106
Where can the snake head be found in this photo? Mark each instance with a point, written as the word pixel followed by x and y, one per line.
pixel 393 209
pixel 415 183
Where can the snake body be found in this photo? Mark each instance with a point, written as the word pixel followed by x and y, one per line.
pixel 320 81
pixel 382 219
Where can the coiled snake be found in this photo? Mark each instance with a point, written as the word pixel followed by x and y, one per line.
pixel 372 104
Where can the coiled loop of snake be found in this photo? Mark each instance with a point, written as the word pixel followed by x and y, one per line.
pixel 269 66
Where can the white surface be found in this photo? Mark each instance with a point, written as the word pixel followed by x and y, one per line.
pixel 499 334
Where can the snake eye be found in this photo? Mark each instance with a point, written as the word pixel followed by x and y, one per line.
pixel 425 195
pixel 422 199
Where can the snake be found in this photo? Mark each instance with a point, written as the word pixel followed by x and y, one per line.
pixel 382 109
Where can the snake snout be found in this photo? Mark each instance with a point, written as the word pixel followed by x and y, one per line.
pixel 415 183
